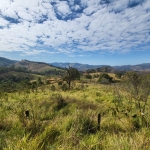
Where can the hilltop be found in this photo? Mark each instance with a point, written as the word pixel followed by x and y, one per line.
pixel 6 62
pixel 84 67
pixel 42 66
pixel 35 66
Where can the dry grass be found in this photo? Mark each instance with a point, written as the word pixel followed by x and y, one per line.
pixel 68 121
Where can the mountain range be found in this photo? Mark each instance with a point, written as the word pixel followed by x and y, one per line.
pixel 42 66
pixel 83 67
pixel 6 62
pixel 35 66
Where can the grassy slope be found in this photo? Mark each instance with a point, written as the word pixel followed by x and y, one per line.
pixel 72 125
pixel 35 66
pixel 21 74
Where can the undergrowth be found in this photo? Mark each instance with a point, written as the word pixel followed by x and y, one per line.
pixel 68 120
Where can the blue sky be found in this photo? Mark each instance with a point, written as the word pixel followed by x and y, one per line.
pixel 99 32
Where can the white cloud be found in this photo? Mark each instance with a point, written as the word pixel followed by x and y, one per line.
pixel 84 26
pixel 77 7
pixel 35 52
pixel 63 8
pixel 3 22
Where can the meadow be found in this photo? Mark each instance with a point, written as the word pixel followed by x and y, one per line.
pixel 90 116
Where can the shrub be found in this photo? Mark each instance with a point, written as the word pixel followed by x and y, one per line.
pixel 88 76
pixel 53 88
pixel 60 83
pixel 64 87
pixel 105 79
pixel 58 101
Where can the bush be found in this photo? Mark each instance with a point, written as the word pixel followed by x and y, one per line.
pixel 105 79
pixel 60 83
pixel 53 88
pixel 64 87
pixel 88 76
pixel 58 101
pixel 118 75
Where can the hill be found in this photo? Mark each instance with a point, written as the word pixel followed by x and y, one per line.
pixel 42 66
pixel 35 66
pixel 139 67
pixel 84 67
pixel 6 62
pixel 81 67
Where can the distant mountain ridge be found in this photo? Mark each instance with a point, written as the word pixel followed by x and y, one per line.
pixel 35 66
pixel 83 67
pixel 42 66
pixel 138 67
pixel 6 62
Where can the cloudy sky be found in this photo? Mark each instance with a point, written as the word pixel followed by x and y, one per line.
pixel 112 32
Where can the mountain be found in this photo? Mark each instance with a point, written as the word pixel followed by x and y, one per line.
pixel 35 66
pixel 81 67
pixel 41 66
pixel 84 67
pixel 6 62
pixel 139 67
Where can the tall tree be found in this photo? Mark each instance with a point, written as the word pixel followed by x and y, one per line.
pixel 71 75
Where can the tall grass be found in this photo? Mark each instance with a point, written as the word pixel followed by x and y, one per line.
pixel 68 120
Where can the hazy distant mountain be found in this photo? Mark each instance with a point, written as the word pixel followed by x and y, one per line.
pixel 81 67
pixel 35 66
pixel 6 62
pixel 41 66
pixel 139 67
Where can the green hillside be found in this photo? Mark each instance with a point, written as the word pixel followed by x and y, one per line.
pixel 89 116
pixel 35 66
pixel 6 62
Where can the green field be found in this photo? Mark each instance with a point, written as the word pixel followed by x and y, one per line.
pixel 50 118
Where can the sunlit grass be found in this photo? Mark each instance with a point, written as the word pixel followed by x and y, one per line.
pixel 67 121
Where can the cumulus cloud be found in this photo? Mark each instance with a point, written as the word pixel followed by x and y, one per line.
pixel 47 26
pixel 3 22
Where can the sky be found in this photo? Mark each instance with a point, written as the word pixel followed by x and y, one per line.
pixel 95 32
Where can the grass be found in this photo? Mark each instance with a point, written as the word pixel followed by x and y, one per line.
pixel 67 120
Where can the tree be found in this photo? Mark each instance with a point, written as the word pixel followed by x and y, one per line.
pixel 105 79
pixel 98 69
pixel 71 75
pixel 88 76
pixel 136 87
pixel 118 75
pixel 39 81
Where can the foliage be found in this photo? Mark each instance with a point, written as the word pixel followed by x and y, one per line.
pixel 138 85
pixel 39 81
pixel 64 87
pixel 137 89
pixel 71 75
pixel 53 88
pixel 96 75
pixel 60 119
pixel 118 75
pixel 91 71
pixel 88 76
pixel 104 78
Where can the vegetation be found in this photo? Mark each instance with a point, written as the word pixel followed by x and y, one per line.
pixel 71 75
pixel 95 114
pixel 104 78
